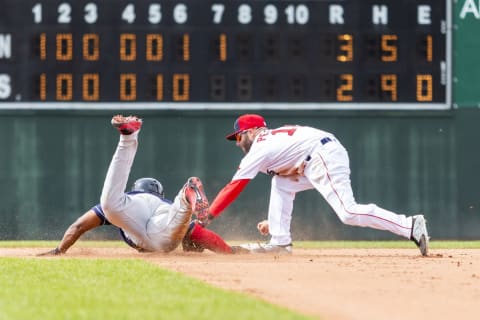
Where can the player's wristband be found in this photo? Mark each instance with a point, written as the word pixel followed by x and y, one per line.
pixel 206 221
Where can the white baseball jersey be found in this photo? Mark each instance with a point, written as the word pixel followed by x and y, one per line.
pixel 278 150
pixel 325 167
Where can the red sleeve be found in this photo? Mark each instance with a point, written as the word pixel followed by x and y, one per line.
pixel 226 196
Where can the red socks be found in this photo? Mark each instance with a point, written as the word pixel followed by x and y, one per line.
pixel 209 240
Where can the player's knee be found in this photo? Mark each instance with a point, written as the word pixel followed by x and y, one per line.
pixel 109 204
pixel 348 218
pixel 352 215
pixel 343 216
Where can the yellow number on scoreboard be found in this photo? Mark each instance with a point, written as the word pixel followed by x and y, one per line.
pixel 389 48
pixel 181 87
pixel 90 47
pixel 389 84
pixel 64 50
pixel 128 47
pixel 64 89
pixel 424 87
pixel 346 48
pixel 344 91
pixel 128 87
pixel 90 87
pixel 154 47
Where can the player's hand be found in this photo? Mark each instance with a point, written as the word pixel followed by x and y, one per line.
pixel 54 252
pixel 262 227
pixel 205 218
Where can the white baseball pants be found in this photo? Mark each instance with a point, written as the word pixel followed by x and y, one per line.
pixel 150 222
pixel 328 171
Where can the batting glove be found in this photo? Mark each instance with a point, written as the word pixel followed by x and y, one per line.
pixel 205 219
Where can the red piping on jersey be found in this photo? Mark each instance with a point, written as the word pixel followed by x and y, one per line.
pixel 343 205
pixel 227 195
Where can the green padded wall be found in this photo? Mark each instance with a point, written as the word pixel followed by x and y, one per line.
pixel 53 165
pixel 466 53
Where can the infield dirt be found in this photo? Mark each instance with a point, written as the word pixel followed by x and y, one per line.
pixel 333 284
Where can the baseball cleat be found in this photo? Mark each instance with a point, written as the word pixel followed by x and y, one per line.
pixel 196 197
pixel 268 248
pixel 126 125
pixel 420 234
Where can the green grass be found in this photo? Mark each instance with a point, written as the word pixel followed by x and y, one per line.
pixel 53 244
pixel 117 289
pixel 72 288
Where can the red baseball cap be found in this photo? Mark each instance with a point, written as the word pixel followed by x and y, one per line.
pixel 245 122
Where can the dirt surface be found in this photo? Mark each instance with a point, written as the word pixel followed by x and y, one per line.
pixel 331 283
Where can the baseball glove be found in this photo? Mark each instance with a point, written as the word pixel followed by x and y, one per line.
pixel 188 244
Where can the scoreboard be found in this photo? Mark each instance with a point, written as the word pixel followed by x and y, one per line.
pixel 225 54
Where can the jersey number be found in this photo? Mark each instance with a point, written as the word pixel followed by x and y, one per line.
pixel 289 131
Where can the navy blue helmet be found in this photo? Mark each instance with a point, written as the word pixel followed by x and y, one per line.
pixel 149 185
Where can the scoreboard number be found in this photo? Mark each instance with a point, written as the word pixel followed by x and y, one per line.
pixel 235 54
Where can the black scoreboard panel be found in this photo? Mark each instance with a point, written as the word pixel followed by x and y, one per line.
pixel 222 54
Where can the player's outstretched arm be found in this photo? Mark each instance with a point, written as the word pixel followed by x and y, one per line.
pixel 88 221
pixel 226 196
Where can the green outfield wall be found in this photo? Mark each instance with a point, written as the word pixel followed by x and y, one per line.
pixel 53 163
pixel 53 166
pixel 466 53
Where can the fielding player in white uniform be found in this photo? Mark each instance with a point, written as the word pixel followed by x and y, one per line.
pixel 300 158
